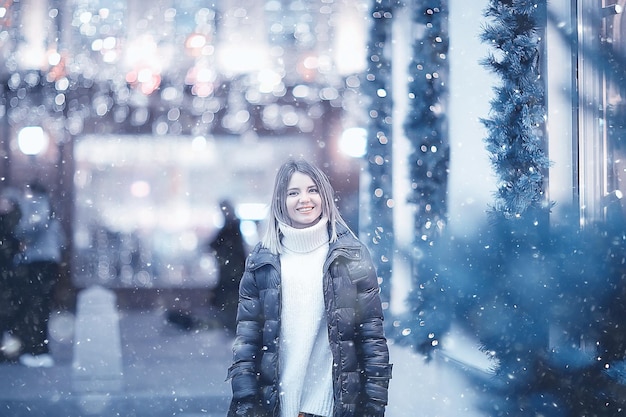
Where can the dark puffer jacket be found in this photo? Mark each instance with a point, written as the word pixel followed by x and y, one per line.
pixel 355 328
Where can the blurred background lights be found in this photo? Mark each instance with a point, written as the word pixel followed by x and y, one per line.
pixel 300 91
pixel 353 142
pixel 140 189
pixel 251 215
pixel 32 140
pixel 252 211
pixel 268 79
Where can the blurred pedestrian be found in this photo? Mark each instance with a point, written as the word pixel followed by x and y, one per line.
pixel 10 214
pixel 43 240
pixel 310 338
pixel 229 249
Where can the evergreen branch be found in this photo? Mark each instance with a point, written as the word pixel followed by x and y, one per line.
pixel 426 124
pixel 378 87
pixel 425 127
pixel 515 128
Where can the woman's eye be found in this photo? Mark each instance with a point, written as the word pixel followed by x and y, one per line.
pixel 313 190
pixel 291 193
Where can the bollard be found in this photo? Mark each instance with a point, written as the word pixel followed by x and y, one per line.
pixel 97 365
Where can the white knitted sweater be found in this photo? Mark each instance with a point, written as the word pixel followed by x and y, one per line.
pixel 304 351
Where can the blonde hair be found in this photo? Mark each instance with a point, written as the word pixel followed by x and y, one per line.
pixel 278 208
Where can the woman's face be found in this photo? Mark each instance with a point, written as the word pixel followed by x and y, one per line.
pixel 304 203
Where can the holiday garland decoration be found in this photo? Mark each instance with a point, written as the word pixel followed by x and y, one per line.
pixel 426 123
pixel 379 152
pixel 515 139
pixel 504 291
pixel 426 128
pixel 525 279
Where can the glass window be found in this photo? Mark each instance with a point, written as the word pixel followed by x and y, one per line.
pixel 600 111
pixel 616 112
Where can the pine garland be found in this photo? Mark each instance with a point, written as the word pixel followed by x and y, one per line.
pixel 379 152
pixel 426 128
pixel 426 123
pixel 515 140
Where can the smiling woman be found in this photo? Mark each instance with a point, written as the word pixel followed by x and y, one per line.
pixel 310 296
pixel 304 204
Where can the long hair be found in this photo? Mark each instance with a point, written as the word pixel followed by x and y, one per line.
pixel 278 208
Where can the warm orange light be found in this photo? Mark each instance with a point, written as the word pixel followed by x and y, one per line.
pixel 145 80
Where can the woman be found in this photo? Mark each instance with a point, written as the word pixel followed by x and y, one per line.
pixel 310 338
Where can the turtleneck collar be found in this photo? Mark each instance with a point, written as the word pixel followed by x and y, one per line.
pixel 307 239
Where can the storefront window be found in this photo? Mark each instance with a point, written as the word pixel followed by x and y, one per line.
pixel 600 111
pixel 616 114
pixel 146 206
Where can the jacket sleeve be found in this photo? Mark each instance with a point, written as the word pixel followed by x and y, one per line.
pixel 373 351
pixel 248 341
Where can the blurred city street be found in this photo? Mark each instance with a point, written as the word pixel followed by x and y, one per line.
pixel 478 149
pixel 169 371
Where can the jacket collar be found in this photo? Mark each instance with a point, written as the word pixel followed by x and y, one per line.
pixel 345 239
pixel 262 256
pixel 346 246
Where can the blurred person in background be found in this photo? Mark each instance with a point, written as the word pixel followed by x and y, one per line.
pixel 229 250
pixel 310 339
pixel 42 239
pixel 10 215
